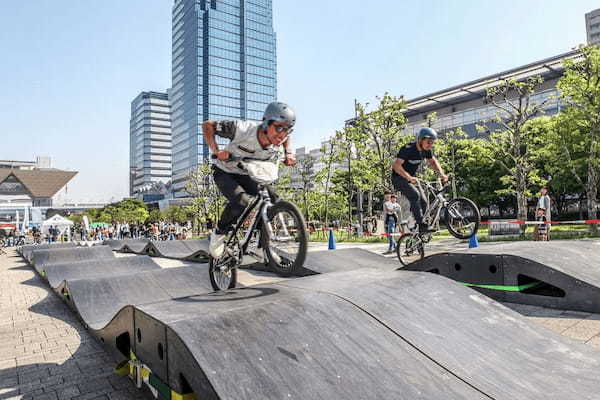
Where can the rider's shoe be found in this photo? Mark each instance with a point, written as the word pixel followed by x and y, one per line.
pixel 217 245
pixel 424 228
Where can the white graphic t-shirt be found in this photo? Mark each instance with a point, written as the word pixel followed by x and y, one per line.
pixel 244 143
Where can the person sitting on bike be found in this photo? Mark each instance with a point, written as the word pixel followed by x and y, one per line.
pixel 407 162
pixel 254 139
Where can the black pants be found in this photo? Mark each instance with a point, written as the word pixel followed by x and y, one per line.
pixel 417 202
pixel 239 190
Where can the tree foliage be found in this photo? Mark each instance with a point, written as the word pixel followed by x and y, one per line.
pixel 580 121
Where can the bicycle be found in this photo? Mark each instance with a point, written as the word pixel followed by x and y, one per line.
pixel 461 217
pixel 20 241
pixel 370 224
pixel 277 228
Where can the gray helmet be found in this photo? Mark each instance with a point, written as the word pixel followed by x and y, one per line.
pixel 277 111
pixel 426 133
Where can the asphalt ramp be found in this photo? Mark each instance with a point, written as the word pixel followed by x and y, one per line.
pixel 361 334
pixel 119 244
pixel 27 250
pixel 97 300
pixel 42 258
pixel 194 250
pixel 327 261
pixel 555 274
pixel 103 268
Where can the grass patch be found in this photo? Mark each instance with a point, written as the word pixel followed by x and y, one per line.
pixel 557 232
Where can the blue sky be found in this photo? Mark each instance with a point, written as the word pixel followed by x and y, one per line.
pixel 71 68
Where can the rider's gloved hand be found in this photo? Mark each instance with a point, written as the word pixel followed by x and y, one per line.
pixel 412 179
pixel 444 178
pixel 290 160
pixel 223 155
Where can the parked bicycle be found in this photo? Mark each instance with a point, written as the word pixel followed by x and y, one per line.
pixel 276 229
pixel 460 215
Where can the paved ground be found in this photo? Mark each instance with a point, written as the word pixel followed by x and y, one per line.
pixel 45 353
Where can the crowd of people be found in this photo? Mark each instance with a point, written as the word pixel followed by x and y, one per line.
pixel 153 231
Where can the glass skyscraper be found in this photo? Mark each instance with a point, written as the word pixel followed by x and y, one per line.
pixel 224 66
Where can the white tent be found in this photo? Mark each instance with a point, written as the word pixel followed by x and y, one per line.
pixel 61 223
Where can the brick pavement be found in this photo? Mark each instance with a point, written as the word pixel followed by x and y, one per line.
pixel 45 353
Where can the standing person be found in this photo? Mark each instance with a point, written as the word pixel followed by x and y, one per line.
pixel 405 167
pixel 543 214
pixel 390 220
pixel 259 140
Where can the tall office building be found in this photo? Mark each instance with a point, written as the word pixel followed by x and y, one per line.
pixel 592 26
pixel 223 67
pixel 149 141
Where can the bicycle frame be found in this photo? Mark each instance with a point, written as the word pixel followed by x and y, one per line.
pixel 262 203
pixel 434 209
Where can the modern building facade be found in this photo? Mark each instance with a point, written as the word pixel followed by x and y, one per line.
pixel 224 66
pixel 149 141
pixel 465 106
pixel 592 27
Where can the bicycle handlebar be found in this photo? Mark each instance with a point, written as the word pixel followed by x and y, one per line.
pixel 236 158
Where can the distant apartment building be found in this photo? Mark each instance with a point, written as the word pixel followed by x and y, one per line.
pixel 224 67
pixel 592 27
pixel 149 141
pixel 319 156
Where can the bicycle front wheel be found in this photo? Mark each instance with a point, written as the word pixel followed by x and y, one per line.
pixel 462 218
pixel 286 247
pixel 410 248
pixel 223 276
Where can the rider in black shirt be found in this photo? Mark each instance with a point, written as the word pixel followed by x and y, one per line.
pixel 407 162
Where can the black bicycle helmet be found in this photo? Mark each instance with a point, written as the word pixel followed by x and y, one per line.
pixel 426 133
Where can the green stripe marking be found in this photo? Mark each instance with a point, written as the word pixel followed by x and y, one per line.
pixel 504 288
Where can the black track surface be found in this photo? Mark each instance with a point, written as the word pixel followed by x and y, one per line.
pixel 27 250
pixel 137 246
pixel 179 249
pixel 569 270
pixel 326 261
pixel 57 273
pixel 118 244
pixel 98 300
pixel 41 258
pixel 363 333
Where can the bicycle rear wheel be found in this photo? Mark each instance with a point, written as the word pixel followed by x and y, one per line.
pixel 462 218
pixel 286 248
pixel 410 248
pixel 222 274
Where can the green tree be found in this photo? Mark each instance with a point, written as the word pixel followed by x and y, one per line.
pixel 177 214
pixel 580 90
pixel 207 200
pixel 510 143
pixel 323 176
pixel 305 171
pixel 377 137
pixel 155 215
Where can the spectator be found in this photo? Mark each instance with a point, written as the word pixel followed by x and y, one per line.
pixel 543 214
pixel 390 207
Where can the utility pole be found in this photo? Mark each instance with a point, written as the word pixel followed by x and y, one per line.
pixel 359 197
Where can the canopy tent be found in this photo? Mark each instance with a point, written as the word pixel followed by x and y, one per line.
pixel 6 228
pixel 61 223
pixel 98 224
